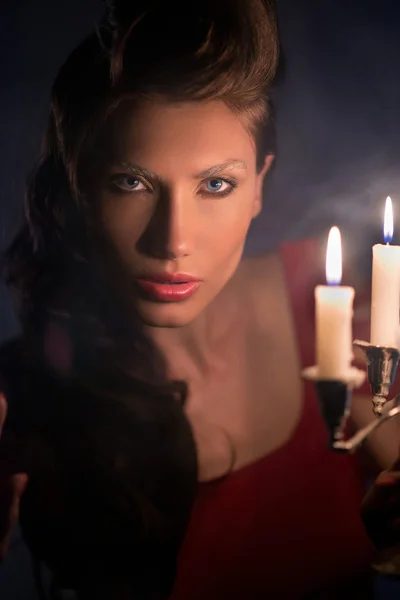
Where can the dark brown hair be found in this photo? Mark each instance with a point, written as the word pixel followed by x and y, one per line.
pixel 112 473
pixel 178 50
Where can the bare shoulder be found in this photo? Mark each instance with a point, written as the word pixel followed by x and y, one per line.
pixel 258 271
pixel 264 273
pixel 265 270
pixel 261 278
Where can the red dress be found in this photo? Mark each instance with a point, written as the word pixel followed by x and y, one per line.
pixel 287 526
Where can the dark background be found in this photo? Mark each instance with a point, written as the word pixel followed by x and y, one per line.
pixel 338 115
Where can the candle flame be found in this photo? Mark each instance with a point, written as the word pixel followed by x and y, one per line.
pixel 388 221
pixel 334 257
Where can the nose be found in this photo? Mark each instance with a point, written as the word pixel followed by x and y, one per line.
pixel 170 232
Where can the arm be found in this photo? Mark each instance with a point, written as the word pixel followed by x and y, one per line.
pixel 12 485
pixel 11 490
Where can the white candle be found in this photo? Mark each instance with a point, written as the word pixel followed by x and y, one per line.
pixel 385 302
pixel 334 312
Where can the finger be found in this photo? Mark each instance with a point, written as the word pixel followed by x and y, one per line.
pixel 386 487
pixel 378 508
pixel 11 491
pixel 380 512
pixel 10 498
pixel 389 478
pixel 3 410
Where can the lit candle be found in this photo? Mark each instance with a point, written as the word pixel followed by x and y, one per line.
pixel 385 303
pixel 334 312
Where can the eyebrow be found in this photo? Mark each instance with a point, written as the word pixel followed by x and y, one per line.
pixel 137 170
pixel 228 165
pixel 213 171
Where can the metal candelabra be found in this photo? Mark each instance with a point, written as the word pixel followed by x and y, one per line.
pixel 335 396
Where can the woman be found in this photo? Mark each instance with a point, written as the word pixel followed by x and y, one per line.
pixel 136 218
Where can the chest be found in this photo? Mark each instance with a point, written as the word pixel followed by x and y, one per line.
pixel 288 515
pixel 250 402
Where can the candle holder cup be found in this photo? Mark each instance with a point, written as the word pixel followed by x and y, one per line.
pixel 335 403
pixel 335 396
pixel 382 363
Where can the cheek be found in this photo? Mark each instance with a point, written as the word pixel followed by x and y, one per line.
pixel 123 222
pixel 228 221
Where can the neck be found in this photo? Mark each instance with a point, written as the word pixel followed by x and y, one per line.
pixel 194 349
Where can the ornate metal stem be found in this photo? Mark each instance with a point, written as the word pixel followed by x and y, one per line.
pixel 335 396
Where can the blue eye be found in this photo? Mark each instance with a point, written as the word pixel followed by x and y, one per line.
pixel 218 186
pixel 214 185
pixel 128 183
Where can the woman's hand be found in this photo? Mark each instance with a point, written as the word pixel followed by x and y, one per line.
pixel 11 489
pixel 380 512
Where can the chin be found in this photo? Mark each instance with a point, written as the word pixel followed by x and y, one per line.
pixel 171 314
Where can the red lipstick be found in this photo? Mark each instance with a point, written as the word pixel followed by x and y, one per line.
pixel 167 287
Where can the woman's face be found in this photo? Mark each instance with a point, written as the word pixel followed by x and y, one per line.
pixel 175 204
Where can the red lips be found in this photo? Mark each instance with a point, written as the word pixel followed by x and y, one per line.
pixel 169 287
